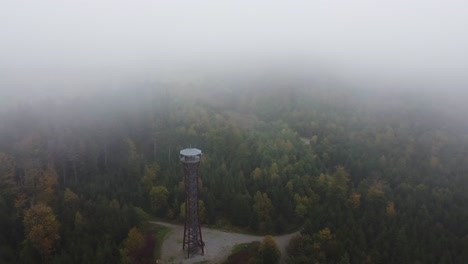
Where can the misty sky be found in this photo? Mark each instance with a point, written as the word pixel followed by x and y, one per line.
pixel 389 39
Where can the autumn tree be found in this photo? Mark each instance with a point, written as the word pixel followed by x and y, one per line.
pixel 355 200
pixel 131 246
pixel 391 211
pixel 256 174
pixel 42 229
pixel 263 208
pixel 325 245
pixel 47 187
pixel 70 198
pixel 269 251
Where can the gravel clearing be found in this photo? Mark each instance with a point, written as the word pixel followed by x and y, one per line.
pixel 218 245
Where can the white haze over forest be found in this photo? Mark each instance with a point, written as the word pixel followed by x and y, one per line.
pixel 62 47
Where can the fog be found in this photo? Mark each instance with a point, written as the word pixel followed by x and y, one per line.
pixel 67 46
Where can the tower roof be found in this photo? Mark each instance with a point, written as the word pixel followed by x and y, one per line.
pixel 190 155
pixel 190 152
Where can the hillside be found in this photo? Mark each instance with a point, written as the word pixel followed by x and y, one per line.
pixel 383 178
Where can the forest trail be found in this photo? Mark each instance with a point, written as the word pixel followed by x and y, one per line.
pixel 218 244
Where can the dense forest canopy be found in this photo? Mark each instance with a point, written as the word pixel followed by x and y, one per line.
pixel 370 177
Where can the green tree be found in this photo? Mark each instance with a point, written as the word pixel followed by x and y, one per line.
pixel 7 173
pixel 241 210
pixel 303 205
pixel 341 179
pixel 201 211
pixel 159 196
pixel 150 176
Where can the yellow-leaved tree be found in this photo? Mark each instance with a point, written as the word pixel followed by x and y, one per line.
pixel 42 229
pixel 263 207
pixel 269 251
pixel 134 242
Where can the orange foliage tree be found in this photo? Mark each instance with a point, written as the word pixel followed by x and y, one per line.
pixel 42 228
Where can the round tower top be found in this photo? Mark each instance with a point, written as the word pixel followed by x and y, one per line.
pixel 190 155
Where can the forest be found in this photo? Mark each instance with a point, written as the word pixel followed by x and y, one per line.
pixel 368 177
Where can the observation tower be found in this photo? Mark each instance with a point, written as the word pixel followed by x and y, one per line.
pixel 193 241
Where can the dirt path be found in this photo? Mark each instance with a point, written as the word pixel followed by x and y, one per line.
pixel 218 244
